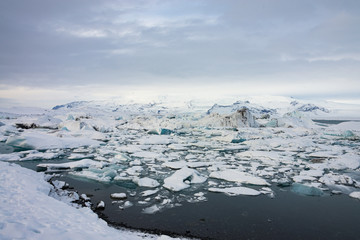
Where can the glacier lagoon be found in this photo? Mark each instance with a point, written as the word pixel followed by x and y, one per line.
pixel 240 170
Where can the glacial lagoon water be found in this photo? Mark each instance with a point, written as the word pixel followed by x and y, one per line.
pixel 286 216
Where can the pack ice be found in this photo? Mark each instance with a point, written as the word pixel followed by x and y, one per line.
pixel 185 152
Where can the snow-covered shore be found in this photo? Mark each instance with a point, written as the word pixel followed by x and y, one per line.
pixel 28 212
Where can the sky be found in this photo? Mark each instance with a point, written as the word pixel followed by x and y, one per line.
pixel 53 52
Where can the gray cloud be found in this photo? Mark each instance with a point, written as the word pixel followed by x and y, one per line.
pixel 56 43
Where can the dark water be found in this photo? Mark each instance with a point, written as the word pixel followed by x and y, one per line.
pixel 287 216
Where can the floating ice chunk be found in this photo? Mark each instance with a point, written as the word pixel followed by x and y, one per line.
pixel 118 195
pixel 301 178
pixel 313 173
pixel 283 182
pixel 175 165
pixel 165 131
pixel 85 163
pixel 136 162
pixel 232 175
pixel 151 210
pixel 76 156
pixel 147 154
pixel 306 190
pixel 100 205
pixel 182 179
pixel 134 170
pixel 148 192
pixel 155 140
pixel 146 182
pixel 41 155
pixel 355 195
pixel 128 204
pixel 85 197
pixel 178 147
pixel 345 161
pixel 101 175
pixel 153 132
pixel 36 140
pixel 234 191
pixel 130 148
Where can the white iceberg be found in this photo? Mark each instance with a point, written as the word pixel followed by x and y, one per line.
pixel 146 182
pixel 182 179
pixel 232 175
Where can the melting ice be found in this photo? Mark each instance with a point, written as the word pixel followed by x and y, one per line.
pixel 171 155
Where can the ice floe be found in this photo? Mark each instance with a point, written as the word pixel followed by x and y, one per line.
pixel 234 191
pixel 182 179
pixel 239 177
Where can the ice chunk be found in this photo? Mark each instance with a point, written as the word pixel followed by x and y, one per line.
pixel 42 155
pixel 165 131
pixel 301 178
pixel 355 195
pixel 146 182
pixel 303 189
pixel 128 204
pixel 147 154
pixel 345 161
pixel 85 163
pixel 148 192
pixel 151 210
pixel 155 140
pixel 232 175
pixel 118 195
pixel 175 165
pixel 313 173
pixel 100 205
pixel 36 140
pixel 182 179
pixel 234 191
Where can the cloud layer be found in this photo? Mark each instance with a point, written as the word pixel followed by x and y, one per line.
pixel 278 44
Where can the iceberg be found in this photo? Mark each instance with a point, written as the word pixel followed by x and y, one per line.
pixel 307 190
pixel 182 179
pixel 118 195
pixel 355 195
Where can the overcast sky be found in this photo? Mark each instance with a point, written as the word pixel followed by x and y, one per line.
pixel 78 49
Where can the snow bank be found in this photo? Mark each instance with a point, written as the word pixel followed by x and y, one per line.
pixel 27 212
